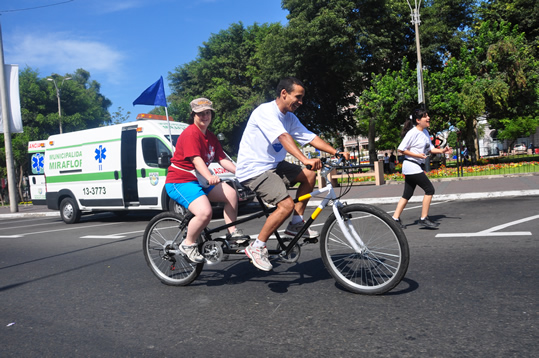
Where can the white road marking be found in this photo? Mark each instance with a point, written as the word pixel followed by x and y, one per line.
pixel 105 237
pixel 494 231
pixel 71 227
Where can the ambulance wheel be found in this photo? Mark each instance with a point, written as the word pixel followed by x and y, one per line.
pixel 177 208
pixel 69 211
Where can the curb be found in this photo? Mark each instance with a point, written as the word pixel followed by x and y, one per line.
pixel 29 215
pixel 436 197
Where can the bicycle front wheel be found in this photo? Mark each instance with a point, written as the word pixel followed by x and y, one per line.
pixel 380 266
pixel 160 243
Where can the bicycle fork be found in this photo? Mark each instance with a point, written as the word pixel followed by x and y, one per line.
pixel 344 222
pixel 348 230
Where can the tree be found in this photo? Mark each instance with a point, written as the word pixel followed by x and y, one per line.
pixel 82 104
pixel 383 108
pixel 524 13
pixel 338 47
pixel 119 117
pixel 225 71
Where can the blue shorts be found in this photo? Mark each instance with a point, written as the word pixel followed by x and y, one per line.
pixel 185 193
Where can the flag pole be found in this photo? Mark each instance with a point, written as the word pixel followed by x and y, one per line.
pixel 7 133
pixel 168 122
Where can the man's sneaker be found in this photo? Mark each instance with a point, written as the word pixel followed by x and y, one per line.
pixel 293 229
pixel 237 237
pixel 399 222
pixel 191 251
pixel 427 223
pixel 259 256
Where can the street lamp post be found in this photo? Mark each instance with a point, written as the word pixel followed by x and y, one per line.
pixel 58 96
pixel 416 21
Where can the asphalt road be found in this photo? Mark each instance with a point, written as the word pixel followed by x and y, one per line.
pixel 84 290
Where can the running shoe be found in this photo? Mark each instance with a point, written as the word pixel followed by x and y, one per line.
pixel 399 222
pixel 293 229
pixel 428 224
pixel 259 257
pixel 191 252
pixel 237 237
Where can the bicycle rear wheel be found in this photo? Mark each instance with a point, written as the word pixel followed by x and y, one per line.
pixel 161 239
pixel 384 262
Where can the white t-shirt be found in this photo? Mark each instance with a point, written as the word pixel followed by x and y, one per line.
pixel 260 149
pixel 415 141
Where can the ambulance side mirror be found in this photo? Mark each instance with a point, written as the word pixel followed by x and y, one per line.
pixel 164 160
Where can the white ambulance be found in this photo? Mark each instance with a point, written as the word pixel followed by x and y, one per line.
pixel 116 168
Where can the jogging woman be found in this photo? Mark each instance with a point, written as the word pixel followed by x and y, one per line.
pixel 416 146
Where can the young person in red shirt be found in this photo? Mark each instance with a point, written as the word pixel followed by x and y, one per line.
pixel 196 148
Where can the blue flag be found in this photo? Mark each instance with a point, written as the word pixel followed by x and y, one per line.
pixel 154 95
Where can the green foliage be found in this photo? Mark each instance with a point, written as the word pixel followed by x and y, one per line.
pixel 82 105
pixel 119 117
pixel 385 106
pixel 335 47
pixel 226 72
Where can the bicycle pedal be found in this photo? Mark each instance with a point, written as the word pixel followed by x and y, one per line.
pixel 310 240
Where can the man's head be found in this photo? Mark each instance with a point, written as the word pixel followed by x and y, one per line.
pixel 290 92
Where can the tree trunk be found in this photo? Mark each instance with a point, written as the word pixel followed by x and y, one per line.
pixel 372 137
pixel 21 178
pixel 470 140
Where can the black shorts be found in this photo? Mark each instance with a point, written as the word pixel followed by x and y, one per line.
pixel 413 180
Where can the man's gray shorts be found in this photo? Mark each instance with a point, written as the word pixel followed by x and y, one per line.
pixel 272 184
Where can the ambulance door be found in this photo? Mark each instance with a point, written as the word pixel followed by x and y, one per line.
pixel 129 166
pixel 152 173
pixel 36 177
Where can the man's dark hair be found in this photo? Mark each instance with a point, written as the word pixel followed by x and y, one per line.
pixel 288 85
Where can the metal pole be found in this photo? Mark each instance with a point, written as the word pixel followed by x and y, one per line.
pixel 421 88
pixel 7 132
pixel 58 97
pixel 59 107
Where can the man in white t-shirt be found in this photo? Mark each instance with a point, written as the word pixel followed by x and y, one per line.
pixel 269 135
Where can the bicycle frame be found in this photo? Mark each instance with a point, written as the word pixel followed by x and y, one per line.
pixel 350 234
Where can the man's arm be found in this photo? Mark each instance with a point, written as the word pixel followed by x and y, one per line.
pixel 288 143
pixel 320 144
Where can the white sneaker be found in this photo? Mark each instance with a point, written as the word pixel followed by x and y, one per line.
pixel 238 238
pixel 293 229
pixel 191 251
pixel 259 256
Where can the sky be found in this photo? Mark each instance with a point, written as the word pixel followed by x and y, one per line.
pixel 126 45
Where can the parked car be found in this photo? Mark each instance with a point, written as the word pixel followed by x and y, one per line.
pixel 520 148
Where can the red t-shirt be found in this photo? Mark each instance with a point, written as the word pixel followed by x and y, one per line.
pixel 193 143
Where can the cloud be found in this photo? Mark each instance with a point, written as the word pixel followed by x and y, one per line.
pixel 117 6
pixel 63 52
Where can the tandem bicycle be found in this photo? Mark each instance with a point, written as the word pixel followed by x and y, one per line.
pixel 361 246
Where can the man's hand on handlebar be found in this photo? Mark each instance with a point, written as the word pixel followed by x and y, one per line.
pixel 346 155
pixel 313 164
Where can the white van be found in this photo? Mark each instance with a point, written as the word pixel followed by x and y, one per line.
pixel 116 168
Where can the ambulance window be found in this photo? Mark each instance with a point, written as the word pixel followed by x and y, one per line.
pixel 151 149
pixel 174 139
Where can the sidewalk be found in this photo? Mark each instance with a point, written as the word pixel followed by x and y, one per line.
pixel 467 188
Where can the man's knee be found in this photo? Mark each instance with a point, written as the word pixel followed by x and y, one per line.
pixel 287 205
pixel 307 177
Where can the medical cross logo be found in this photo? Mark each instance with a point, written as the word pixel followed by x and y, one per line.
pixel 100 155
pixel 37 163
